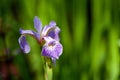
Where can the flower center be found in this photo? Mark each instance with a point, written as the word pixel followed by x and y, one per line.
pixel 51 44
pixel 42 41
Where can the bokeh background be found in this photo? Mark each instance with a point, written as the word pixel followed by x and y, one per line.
pixel 90 34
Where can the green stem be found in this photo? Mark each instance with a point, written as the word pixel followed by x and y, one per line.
pixel 47 68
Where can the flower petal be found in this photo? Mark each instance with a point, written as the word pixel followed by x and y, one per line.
pixel 52 23
pixel 54 33
pixel 37 24
pixel 46 29
pixel 30 32
pixel 48 39
pixel 51 30
pixel 24 45
pixel 52 49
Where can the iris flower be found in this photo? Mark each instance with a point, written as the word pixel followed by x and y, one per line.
pixel 47 37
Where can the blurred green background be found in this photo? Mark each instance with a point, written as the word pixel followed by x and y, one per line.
pixel 90 34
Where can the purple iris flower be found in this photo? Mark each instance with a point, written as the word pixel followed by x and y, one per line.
pixel 47 36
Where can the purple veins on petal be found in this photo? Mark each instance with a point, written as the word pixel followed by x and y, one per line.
pixel 54 33
pixel 52 49
pixel 24 45
pixel 46 29
pixel 37 24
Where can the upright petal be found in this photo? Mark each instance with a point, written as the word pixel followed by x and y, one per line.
pixel 37 24
pixel 52 23
pixel 51 30
pixel 54 33
pixel 47 29
pixel 24 45
pixel 52 48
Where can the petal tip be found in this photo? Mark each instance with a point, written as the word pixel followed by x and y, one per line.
pixel 20 30
pixel 52 23
pixel 23 44
pixel 26 50
pixel 37 24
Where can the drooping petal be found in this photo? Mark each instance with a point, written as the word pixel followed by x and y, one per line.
pixel 30 32
pixel 23 44
pixel 54 33
pixel 37 24
pixel 52 49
